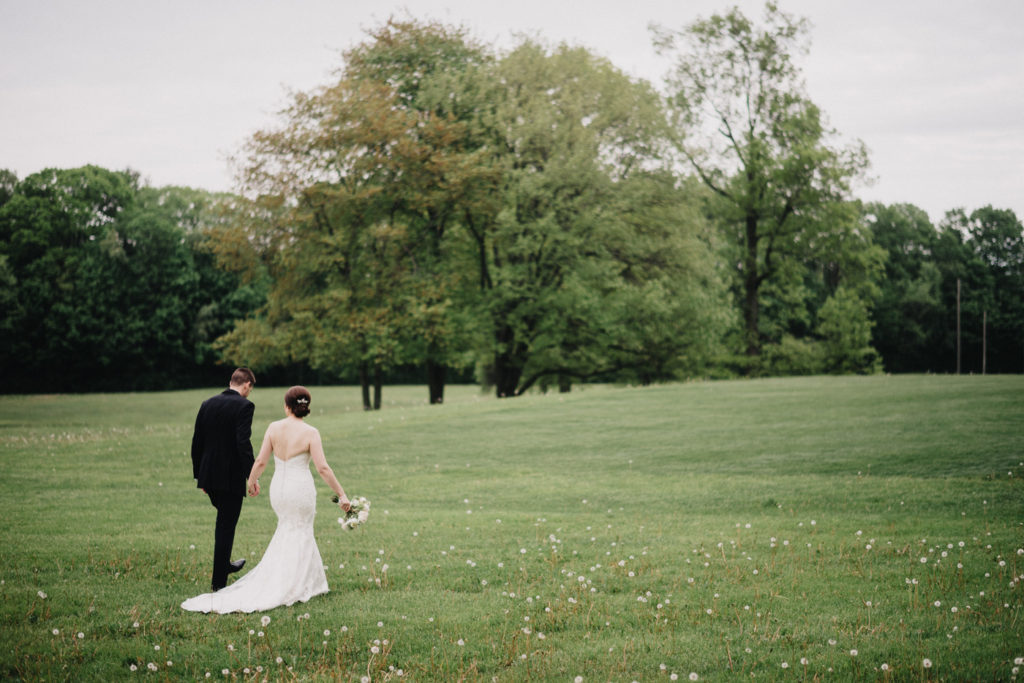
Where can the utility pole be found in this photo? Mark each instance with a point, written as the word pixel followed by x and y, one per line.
pixel 984 340
pixel 958 326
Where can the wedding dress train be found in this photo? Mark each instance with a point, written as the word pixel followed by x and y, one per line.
pixel 291 569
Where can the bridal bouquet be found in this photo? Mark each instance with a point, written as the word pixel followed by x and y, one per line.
pixel 357 514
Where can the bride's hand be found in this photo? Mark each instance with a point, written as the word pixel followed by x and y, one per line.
pixel 254 488
pixel 345 504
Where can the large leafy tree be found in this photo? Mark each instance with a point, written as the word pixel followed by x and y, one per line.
pixel 352 201
pixel 585 250
pixel 749 132
pixel 432 70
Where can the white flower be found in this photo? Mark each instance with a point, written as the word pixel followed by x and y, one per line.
pixel 151 666
pixel 927 663
pixel 693 676
pixel 884 667
pixel 853 653
pixel 461 642
pixel 265 621
pixel 133 668
pixel 42 595
pixel 578 679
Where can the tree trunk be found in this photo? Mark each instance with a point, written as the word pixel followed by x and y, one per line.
pixel 378 376
pixel 436 373
pixel 564 384
pixel 364 381
pixel 508 366
pixel 751 287
pixel 507 378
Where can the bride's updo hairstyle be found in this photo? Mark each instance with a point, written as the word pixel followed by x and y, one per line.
pixel 297 399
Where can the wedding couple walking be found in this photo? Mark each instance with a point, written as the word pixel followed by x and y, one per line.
pixel 291 569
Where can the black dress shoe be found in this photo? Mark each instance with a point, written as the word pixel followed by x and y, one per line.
pixel 235 566
pixel 214 589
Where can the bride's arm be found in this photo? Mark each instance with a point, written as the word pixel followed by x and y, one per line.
pixel 316 450
pixel 253 484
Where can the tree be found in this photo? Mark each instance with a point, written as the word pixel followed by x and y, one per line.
pixel 751 135
pixel 910 315
pixel 845 328
pixel 587 258
pixel 351 203
pixel 431 70
pixel 997 238
pixel 984 251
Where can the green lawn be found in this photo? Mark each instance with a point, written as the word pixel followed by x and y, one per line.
pixel 782 529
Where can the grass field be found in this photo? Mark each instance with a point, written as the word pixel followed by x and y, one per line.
pixel 789 529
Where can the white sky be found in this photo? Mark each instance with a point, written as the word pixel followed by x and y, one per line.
pixel 170 89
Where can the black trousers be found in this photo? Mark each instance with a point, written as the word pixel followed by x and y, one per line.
pixel 229 507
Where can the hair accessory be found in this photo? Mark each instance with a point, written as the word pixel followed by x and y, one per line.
pixel 302 400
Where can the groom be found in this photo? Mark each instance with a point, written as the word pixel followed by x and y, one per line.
pixel 221 460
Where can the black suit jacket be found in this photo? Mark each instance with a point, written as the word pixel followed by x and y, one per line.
pixel 221 450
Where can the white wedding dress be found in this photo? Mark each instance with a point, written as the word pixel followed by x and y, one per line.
pixel 291 569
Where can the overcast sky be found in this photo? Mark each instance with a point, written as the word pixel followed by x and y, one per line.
pixel 170 89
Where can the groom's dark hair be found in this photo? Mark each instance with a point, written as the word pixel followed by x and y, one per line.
pixel 241 376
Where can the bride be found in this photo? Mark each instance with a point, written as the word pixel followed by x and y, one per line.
pixel 291 569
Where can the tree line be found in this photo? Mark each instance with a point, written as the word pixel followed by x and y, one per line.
pixel 534 218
